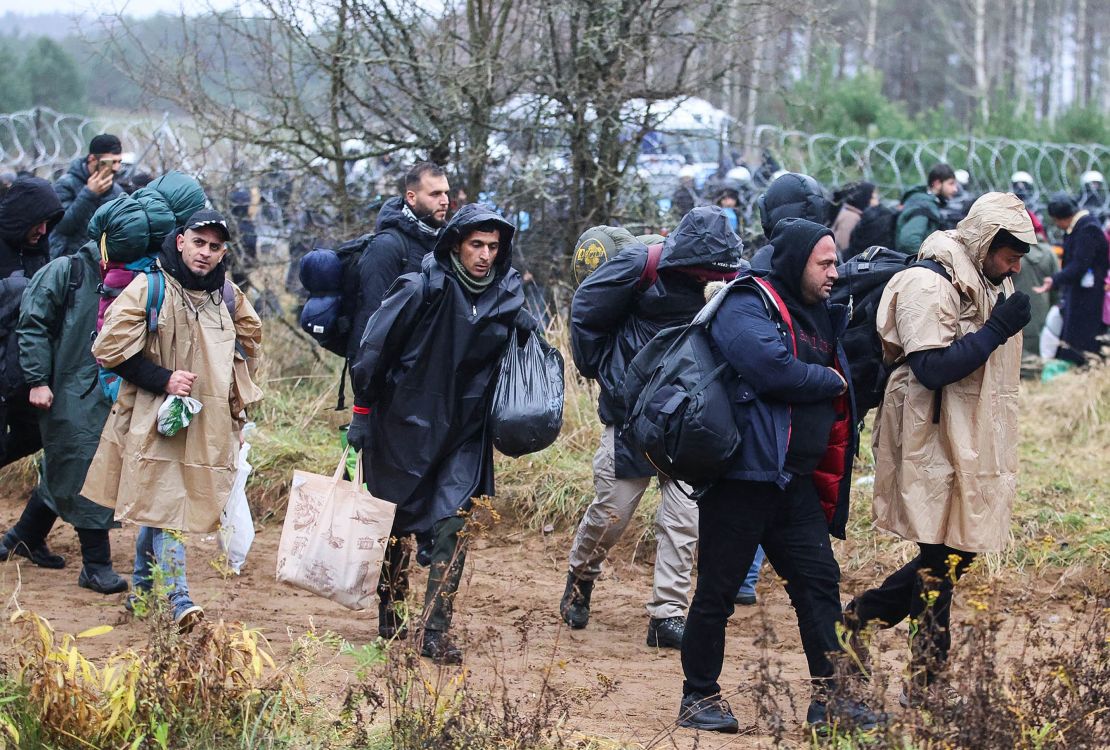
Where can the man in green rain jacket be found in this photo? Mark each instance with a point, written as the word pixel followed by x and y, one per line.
pixel 56 325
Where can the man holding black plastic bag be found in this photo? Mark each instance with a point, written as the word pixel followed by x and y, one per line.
pixel 423 379
pixel 615 313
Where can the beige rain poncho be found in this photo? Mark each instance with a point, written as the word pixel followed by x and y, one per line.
pixel 954 482
pixel 181 482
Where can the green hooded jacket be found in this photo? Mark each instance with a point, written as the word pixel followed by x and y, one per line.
pixel 920 217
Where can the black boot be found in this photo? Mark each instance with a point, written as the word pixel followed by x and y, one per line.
pixel 96 573
pixel 438 647
pixel 575 604
pixel 28 537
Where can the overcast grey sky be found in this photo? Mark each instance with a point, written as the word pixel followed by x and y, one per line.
pixel 96 7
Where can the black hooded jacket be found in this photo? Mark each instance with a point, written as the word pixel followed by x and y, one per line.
pixel 28 202
pixel 791 196
pixel 397 247
pixel 426 367
pixel 611 320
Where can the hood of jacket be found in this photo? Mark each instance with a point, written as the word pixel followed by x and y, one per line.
pixel 392 216
pixel 465 220
pixel 79 169
pixel 703 238
pixel 796 196
pixel 794 240
pixel 28 202
pixel 921 195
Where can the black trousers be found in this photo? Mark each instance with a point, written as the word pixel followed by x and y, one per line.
pixel 19 430
pixel 35 522
pixel 448 555
pixel 907 593
pixel 735 518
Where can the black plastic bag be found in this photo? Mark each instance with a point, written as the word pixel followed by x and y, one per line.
pixel 527 410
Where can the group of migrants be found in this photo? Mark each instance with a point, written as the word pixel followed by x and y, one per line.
pixel 435 301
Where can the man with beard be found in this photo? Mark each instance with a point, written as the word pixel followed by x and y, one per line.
pixel 407 229
pixel 788 486
pixel 89 183
pixel 946 434
pixel 206 344
pixel 422 380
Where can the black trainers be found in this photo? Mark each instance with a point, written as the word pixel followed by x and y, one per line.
pixel 744 598
pixel 666 632
pixel 102 580
pixel 843 712
pixel 707 713
pixel 575 604
pixel 391 624
pixel 440 649
pixel 40 555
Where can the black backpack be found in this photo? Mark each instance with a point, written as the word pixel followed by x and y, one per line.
pixel 678 394
pixel 331 278
pixel 860 287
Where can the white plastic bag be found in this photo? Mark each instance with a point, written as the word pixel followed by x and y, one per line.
pixel 236 533
pixel 175 414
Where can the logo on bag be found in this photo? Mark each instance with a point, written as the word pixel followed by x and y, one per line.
pixel 321 576
pixel 364 518
pixel 335 542
pixel 369 542
pixel 299 545
pixel 307 516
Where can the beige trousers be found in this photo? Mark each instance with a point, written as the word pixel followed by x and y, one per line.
pixel 676 531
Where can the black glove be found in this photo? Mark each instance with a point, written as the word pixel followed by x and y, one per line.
pixel 358 434
pixel 1010 315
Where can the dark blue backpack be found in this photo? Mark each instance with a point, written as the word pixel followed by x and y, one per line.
pixel 332 280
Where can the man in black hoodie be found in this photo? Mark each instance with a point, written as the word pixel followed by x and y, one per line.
pixel 788 486
pixel 28 211
pixel 615 312
pixel 407 229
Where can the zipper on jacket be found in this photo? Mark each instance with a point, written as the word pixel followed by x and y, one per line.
pixel 474 310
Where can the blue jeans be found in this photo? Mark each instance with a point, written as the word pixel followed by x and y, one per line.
pixel 161 548
pixel 752 578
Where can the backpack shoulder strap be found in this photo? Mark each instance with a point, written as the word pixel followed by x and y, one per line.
pixel 155 295
pixel 228 293
pixel 933 266
pixel 76 279
pixel 651 269
pixel 783 313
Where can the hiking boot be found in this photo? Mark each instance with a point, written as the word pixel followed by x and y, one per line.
pixel 40 554
pixel 666 632
pixel 575 604
pixel 936 695
pixel 846 713
pixel 438 647
pixel 101 580
pixel 391 624
pixel 707 713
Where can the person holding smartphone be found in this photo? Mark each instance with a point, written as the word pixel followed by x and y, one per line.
pixel 89 183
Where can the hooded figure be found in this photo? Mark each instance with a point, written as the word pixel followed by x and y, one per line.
pixel 946 433
pixel 615 312
pixel 423 382
pixel 1080 279
pixel 791 196
pixel 28 211
pixel 79 203
pixel 55 328
pixel 789 483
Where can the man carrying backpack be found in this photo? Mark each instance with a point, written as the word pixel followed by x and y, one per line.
pixel 198 348
pixel 28 212
pixel 921 207
pixel 88 185
pixel 614 313
pixel 406 230
pixel 946 434
pixel 423 380
pixel 788 486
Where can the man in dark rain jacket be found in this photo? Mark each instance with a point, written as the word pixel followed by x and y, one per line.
pixel 28 212
pixel 406 230
pixel 788 487
pixel 1081 279
pixel 423 380
pixel 612 317
pixel 89 183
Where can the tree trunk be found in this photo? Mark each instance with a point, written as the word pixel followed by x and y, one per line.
pixel 1023 75
pixel 982 80
pixel 872 33
pixel 1079 33
pixel 753 84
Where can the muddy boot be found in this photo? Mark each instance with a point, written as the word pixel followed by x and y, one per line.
pixel 575 604
pixel 28 537
pixel 438 647
pixel 96 573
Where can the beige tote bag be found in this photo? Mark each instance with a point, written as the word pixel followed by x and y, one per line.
pixel 334 537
